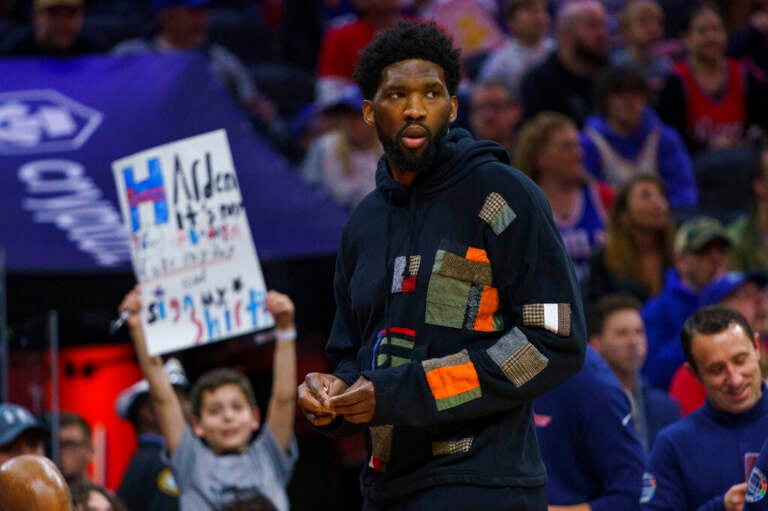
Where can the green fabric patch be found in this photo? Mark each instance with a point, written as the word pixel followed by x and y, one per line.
pixel 403 343
pixel 446 301
pixel 458 399
pixel 503 220
pixel 382 358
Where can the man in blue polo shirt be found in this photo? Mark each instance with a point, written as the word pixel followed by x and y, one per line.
pixel 698 462
pixel 594 458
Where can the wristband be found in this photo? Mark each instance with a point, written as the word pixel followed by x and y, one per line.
pixel 285 334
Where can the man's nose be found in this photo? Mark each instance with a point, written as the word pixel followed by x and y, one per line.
pixel 735 378
pixel 414 107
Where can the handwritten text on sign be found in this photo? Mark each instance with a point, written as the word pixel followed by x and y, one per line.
pixel 191 246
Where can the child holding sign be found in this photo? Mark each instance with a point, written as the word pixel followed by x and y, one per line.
pixel 216 461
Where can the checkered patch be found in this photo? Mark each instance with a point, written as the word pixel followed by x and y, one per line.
pixel 555 317
pixel 497 213
pixel 405 272
pixel 517 358
pixel 381 446
pixel 446 448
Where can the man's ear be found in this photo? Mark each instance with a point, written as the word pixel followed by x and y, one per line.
pixel 594 341
pixel 368 116
pixel 454 109
pixel 757 345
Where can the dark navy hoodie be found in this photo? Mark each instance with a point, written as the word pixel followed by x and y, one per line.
pixel 457 299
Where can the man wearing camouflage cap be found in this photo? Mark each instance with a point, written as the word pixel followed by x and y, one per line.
pixel 701 254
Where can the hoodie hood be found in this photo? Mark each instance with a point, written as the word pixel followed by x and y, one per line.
pixel 458 153
pixel 649 122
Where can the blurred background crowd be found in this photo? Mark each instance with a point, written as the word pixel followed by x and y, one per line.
pixel 643 121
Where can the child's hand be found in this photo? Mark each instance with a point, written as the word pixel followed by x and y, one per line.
pixel 132 304
pixel 282 309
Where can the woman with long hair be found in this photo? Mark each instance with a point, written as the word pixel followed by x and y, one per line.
pixel 548 150
pixel 638 242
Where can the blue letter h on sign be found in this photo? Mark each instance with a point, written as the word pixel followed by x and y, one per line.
pixel 149 190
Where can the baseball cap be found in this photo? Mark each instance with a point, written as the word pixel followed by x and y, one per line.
pixel 695 233
pixel 130 396
pixel 159 5
pixel 15 420
pixel 39 5
pixel 719 289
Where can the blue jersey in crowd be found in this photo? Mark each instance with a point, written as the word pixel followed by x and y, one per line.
pixel 588 441
pixel 757 484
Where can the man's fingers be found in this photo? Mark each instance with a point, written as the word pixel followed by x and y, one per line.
pixel 359 418
pixel 353 408
pixel 309 402
pixel 351 397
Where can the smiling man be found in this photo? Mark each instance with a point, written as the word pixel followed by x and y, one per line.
pixel 456 301
pixel 698 463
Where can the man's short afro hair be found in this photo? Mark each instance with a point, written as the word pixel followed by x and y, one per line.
pixel 407 40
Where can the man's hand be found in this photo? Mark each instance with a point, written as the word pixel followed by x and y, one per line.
pixel 734 497
pixel 358 403
pixel 315 394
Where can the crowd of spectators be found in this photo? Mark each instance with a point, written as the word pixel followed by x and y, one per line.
pixel 620 111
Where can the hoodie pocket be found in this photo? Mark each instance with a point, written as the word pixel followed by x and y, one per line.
pixel 460 294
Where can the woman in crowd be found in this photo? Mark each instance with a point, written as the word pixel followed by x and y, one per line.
pixel 548 150
pixel 638 242
pixel 712 100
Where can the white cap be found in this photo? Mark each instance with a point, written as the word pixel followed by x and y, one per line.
pixel 127 398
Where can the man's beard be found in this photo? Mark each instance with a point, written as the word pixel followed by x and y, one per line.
pixel 402 160
pixel 593 57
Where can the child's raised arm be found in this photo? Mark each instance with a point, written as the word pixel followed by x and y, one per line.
pixel 161 394
pixel 282 402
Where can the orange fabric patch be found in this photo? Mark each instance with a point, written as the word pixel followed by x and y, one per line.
pixel 477 255
pixel 489 304
pixel 452 380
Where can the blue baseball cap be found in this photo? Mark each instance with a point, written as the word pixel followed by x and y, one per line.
pixel 719 289
pixel 15 420
pixel 159 5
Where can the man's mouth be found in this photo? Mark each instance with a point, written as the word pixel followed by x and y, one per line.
pixel 414 137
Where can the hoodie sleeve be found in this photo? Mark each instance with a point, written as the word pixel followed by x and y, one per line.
pixel 543 342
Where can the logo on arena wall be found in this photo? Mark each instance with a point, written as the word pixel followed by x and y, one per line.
pixel 42 121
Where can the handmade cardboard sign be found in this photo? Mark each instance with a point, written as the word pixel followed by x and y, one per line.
pixel 191 245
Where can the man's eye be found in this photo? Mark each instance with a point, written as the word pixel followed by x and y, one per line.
pixel 395 95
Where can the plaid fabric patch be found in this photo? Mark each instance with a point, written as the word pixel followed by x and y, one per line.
pixel 446 301
pixel 405 271
pixel 517 358
pixel 457 267
pixel 381 446
pixel 452 380
pixel 554 317
pixel 448 447
pixel 497 213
